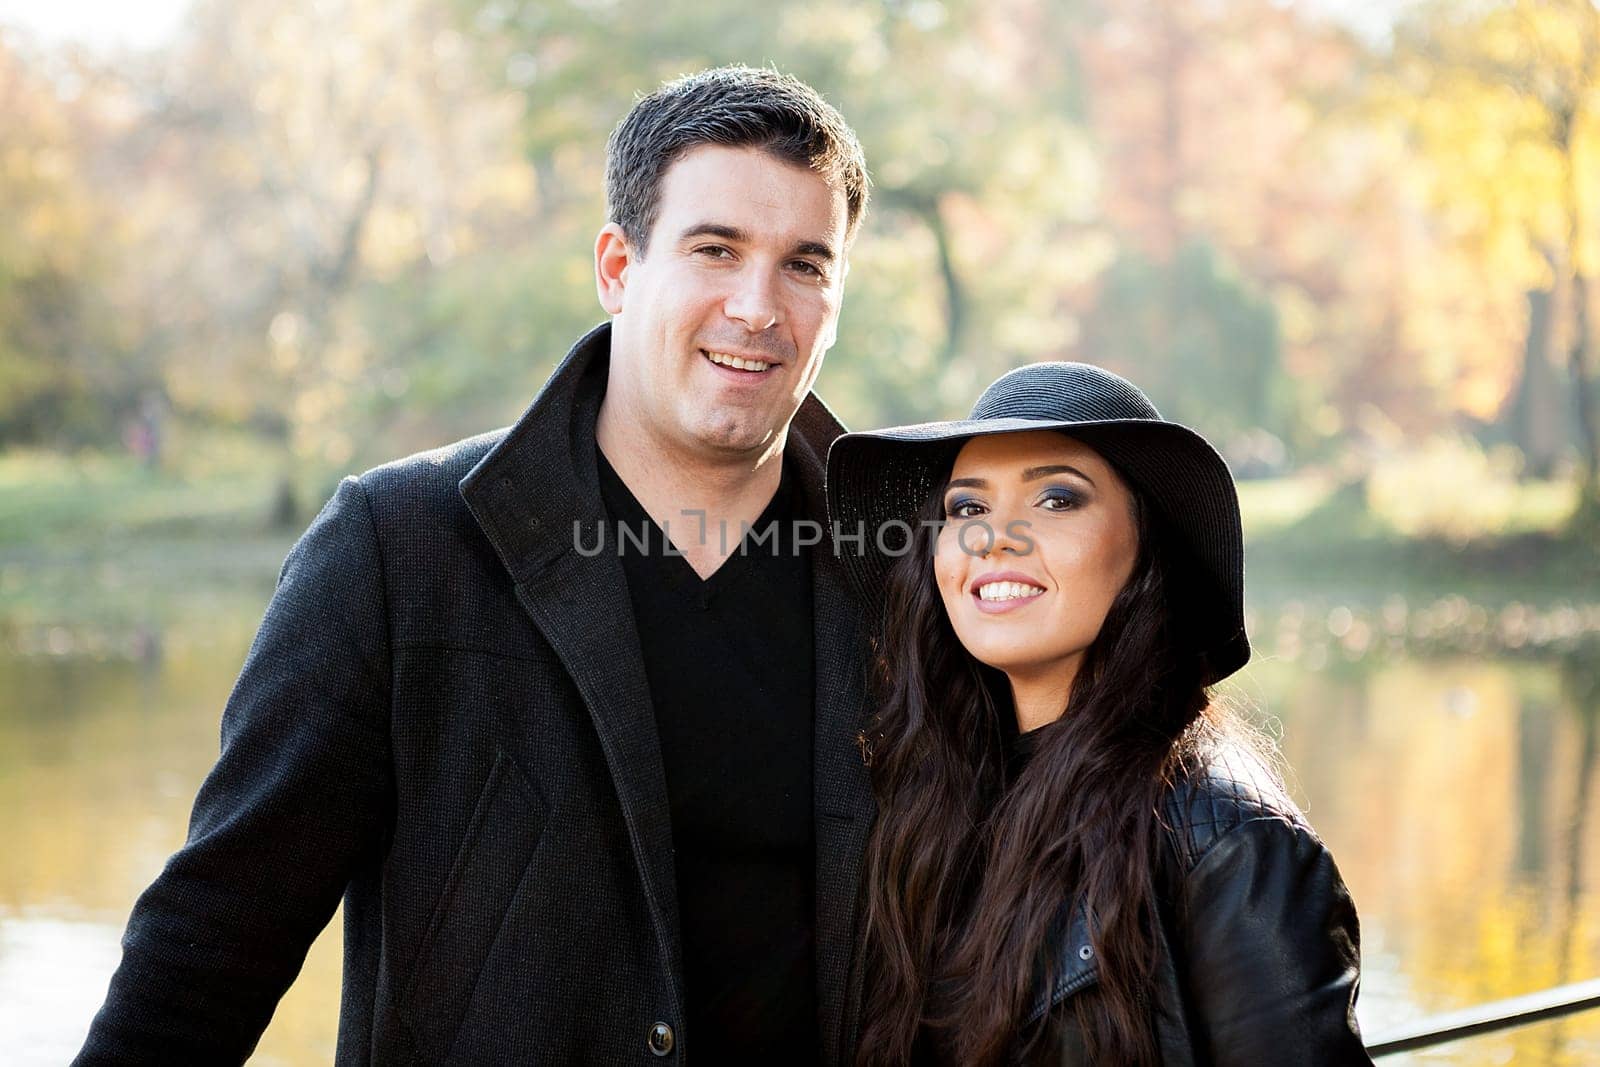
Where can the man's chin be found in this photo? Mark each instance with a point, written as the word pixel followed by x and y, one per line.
pixel 741 438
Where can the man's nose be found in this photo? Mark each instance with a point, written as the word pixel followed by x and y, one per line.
pixel 754 301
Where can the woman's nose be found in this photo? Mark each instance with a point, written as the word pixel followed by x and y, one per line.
pixel 1010 535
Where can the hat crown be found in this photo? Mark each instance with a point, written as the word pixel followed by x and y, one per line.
pixel 1063 392
pixel 886 476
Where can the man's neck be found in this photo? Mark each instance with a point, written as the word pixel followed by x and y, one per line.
pixel 704 504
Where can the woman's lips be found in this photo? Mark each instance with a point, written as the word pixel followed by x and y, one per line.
pixel 1006 592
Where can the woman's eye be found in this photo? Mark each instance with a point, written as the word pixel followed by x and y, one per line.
pixel 1059 500
pixel 963 509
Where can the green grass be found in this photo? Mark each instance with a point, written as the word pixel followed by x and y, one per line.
pixel 1310 533
pixel 1271 504
pixel 96 539
pixel 45 498
pixel 1272 507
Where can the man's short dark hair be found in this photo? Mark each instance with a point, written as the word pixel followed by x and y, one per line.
pixel 736 107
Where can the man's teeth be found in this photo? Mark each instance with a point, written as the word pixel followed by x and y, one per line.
pixel 737 363
pixel 1008 591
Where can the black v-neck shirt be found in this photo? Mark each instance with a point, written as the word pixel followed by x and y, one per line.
pixel 731 669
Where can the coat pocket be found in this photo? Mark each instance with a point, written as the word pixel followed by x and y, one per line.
pixel 500 843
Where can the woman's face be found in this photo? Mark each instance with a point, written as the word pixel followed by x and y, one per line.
pixel 1039 540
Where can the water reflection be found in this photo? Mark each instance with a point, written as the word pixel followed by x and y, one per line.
pixel 1456 791
pixel 43 966
pixel 1457 795
pixel 102 747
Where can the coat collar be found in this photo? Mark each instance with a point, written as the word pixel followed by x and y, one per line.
pixel 530 494
pixel 531 487
pixel 1074 967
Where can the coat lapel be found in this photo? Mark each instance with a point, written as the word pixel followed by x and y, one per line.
pixel 532 494
pixel 583 609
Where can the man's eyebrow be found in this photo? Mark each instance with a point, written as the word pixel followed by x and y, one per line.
pixel 1034 473
pixel 817 249
pixel 714 229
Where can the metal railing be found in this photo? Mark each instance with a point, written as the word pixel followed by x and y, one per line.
pixel 1490 1018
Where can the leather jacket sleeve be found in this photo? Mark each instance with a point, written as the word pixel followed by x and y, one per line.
pixel 1270 956
pixel 298 799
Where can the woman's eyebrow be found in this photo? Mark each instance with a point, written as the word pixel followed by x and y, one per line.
pixel 965 483
pixel 1035 473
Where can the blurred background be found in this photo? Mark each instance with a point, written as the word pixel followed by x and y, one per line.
pixel 248 247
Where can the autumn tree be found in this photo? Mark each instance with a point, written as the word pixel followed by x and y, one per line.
pixel 286 163
pixel 1503 102
pixel 68 365
pixel 1264 263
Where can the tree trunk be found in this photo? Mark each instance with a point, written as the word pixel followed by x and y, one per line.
pixel 1583 388
pixel 1536 420
pixel 1587 513
pixel 284 513
pixel 925 206
pixel 955 297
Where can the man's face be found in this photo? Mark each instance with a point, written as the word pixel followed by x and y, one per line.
pixel 719 329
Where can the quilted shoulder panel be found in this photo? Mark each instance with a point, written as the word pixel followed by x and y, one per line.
pixel 1227 787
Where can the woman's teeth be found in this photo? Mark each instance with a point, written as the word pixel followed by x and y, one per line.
pixel 737 363
pixel 1008 591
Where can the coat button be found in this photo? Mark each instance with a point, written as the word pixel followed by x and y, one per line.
pixel 1086 952
pixel 661 1039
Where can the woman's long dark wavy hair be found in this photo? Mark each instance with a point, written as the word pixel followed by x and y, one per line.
pixel 965 874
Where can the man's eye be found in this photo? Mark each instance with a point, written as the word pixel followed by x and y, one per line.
pixel 714 251
pixel 805 266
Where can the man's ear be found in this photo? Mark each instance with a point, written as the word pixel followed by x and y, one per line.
pixel 612 254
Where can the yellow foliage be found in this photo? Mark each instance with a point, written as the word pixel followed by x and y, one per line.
pixel 1487 94
pixel 1449 487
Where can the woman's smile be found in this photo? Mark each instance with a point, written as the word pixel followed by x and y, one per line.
pixel 1004 591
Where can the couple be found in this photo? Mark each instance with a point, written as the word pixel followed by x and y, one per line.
pixel 943 788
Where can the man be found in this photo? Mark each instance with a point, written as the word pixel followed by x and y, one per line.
pixel 582 806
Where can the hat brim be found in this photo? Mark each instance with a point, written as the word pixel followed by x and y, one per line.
pixel 880 477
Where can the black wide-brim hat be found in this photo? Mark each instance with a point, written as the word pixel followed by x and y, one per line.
pixel 879 479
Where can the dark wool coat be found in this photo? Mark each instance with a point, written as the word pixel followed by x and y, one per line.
pixel 445 721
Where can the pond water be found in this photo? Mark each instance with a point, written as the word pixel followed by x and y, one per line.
pixel 1453 780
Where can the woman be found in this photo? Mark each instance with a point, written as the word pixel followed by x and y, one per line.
pixel 1078 856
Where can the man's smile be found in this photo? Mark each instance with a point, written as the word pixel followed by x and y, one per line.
pixel 747 364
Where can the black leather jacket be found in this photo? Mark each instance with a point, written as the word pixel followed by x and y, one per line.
pixel 1260 949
